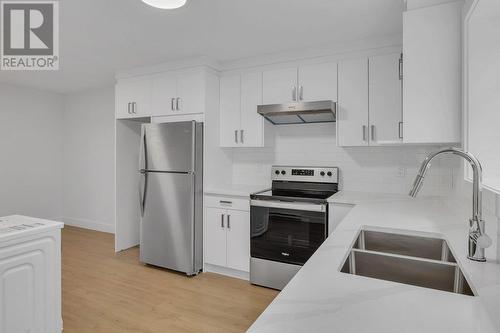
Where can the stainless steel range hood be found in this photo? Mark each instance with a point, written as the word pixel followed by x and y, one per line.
pixel 299 112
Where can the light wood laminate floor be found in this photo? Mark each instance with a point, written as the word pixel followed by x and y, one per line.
pixel 107 292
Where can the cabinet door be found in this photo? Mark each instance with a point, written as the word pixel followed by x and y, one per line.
pixel 238 240
pixel 133 98
pixel 352 111
pixel 385 103
pixel 230 96
pixel 190 92
pixel 432 74
pixel 279 86
pixel 30 286
pixel 252 124
pixel 318 82
pixel 164 94
pixel 215 236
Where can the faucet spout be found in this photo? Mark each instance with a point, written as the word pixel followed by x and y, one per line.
pixel 476 223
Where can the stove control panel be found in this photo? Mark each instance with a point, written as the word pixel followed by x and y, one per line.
pixel 305 174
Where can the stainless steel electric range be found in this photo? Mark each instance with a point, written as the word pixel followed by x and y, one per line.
pixel 289 222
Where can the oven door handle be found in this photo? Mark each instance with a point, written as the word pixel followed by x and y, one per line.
pixel 289 205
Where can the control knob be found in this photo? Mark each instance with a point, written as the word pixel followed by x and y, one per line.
pixel 322 173
pixel 277 172
pixel 283 172
pixel 329 173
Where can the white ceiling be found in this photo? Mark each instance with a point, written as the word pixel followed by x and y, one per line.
pixel 98 37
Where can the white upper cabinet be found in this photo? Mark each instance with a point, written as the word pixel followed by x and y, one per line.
pixel 133 98
pixel 385 104
pixel 190 92
pixel 280 86
pixel 317 82
pixel 165 94
pixel 352 108
pixel 240 124
pixel 432 74
pixel 314 82
pixel 178 93
pixel 252 124
pixel 230 115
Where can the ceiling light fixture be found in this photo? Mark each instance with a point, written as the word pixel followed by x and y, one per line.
pixel 165 4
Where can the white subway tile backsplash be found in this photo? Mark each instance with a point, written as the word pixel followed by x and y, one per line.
pixel 361 168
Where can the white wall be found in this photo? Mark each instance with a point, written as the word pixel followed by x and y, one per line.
pixel 31 152
pixel 88 159
pixel 380 169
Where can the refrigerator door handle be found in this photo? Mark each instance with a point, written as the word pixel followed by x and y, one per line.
pixel 143 188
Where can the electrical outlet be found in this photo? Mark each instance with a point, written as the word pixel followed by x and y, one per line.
pixel 402 171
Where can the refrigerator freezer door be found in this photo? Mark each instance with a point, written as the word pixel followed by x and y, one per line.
pixel 168 147
pixel 167 228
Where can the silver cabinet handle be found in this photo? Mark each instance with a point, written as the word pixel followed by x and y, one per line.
pixel 128 108
pixel 372 128
pixel 241 136
pixel 229 221
pixel 364 132
pixel 172 101
pixel 225 202
pixel 400 129
pixel 294 93
pixel 236 136
pixel 134 104
pixel 222 221
pixel 177 103
pixel 301 93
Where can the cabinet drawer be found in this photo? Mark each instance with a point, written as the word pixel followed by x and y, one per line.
pixel 225 202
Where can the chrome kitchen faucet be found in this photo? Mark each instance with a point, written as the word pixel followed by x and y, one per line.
pixel 478 240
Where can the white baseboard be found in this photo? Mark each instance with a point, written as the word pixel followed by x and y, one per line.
pixel 87 224
pixel 227 271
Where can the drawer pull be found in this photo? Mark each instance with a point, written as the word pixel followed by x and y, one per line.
pixel 225 202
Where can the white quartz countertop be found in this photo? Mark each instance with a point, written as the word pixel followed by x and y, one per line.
pixel 239 190
pixel 15 226
pixel 322 299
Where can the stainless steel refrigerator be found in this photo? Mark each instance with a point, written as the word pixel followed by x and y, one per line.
pixel 171 194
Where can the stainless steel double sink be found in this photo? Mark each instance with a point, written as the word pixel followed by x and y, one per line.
pixel 411 259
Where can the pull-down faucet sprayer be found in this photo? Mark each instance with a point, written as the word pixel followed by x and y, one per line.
pixel 478 240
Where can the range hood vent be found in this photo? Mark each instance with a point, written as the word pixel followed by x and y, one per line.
pixel 299 112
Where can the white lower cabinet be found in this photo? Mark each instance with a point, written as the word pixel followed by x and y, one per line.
pixel 238 240
pixel 227 238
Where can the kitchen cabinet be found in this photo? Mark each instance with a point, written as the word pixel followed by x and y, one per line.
pixel 432 74
pixel 170 93
pixel 240 124
pixel 312 82
pixel 279 86
pixel 175 93
pixel 215 236
pixel 385 99
pixel 317 82
pixel 133 98
pixel 227 233
pixel 352 108
pixel 369 109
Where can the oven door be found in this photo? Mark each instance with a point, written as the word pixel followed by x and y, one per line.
pixel 288 232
